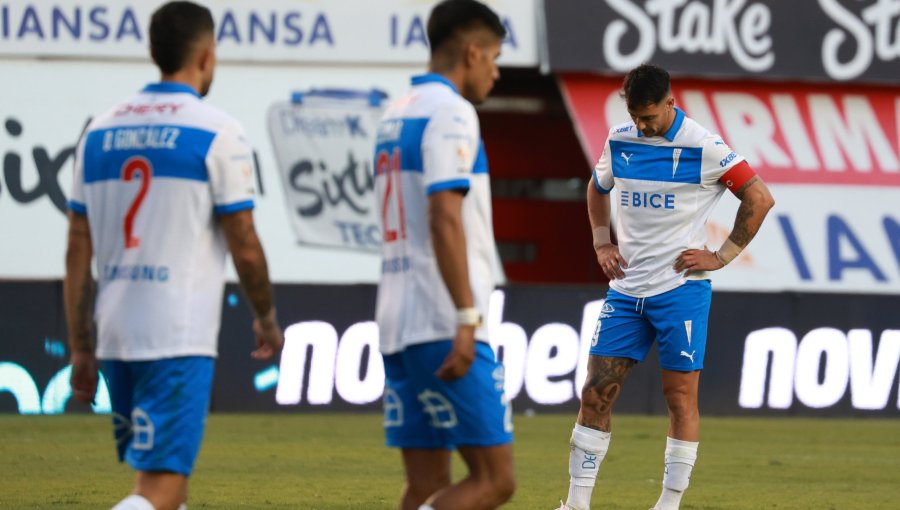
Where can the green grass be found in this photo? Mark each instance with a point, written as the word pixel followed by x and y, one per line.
pixel 337 461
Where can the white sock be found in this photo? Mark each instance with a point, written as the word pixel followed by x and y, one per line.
pixel 182 506
pixel 680 458
pixel 587 447
pixel 426 507
pixel 134 502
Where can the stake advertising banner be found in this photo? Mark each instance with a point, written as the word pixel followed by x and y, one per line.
pixel 830 156
pixel 299 31
pixel 782 354
pixel 323 142
pixel 822 40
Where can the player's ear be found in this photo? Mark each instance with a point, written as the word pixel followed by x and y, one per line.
pixel 472 52
pixel 206 55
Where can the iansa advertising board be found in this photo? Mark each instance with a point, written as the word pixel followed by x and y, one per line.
pixel 830 156
pixel 300 31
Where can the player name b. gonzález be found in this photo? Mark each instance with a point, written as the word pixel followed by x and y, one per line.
pixel 138 138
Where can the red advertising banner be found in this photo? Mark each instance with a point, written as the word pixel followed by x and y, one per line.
pixel 789 133
pixel 830 155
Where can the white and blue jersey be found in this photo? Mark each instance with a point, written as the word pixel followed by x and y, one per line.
pixel 428 141
pixel 668 186
pixel 151 175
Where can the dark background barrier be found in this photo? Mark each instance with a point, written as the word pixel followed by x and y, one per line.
pixel 768 354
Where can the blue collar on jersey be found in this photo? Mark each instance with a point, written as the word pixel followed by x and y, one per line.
pixel 670 134
pixel 170 87
pixel 433 78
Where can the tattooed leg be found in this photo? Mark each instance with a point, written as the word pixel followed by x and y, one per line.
pixel 601 389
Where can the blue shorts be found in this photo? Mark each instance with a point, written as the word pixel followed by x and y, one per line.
pixel 676 319
pixel 422 411
pixel 159 410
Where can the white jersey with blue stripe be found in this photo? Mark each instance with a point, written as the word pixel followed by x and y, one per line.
pixel 428 141
pixel 668 185
pixel 151 175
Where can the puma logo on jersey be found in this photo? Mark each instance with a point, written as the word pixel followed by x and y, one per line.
pixel 627 158
pixel 689 356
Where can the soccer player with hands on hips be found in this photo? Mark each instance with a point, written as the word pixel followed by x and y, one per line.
pixel 669 172
pixel 443 385
pixel 163 190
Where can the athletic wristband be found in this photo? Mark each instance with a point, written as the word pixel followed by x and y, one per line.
pixel 601 237
pixel 468 317
pixel 728 251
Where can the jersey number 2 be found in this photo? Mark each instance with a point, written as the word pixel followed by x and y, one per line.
pixel 389 166
pixel 135 165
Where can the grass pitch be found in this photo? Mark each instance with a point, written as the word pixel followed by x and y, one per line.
pixel 337 461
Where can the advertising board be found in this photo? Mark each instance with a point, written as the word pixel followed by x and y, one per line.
pixel 807 40
pixel 804 354
pixel 302 31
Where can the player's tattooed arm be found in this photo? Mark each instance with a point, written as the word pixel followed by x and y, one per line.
pixel 249 261
pixel 601 390
pixel 78 285
pixel 756 200
pixel 78 296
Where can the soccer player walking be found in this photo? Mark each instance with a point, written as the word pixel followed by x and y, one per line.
pixel 670 173
pixel 443 388
pixel 163 190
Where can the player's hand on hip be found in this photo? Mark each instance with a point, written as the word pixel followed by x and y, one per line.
pixel 461 355
pixel 611 261
pixel 84 376
pixel 697 260
pixel 269 339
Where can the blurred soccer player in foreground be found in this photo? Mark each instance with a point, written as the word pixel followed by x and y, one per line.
pixel 444 388
pixel 163 191
pixel 670 173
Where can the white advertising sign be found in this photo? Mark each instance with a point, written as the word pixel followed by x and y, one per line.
pixel 302 31
pixel 41 117
pixel 323 142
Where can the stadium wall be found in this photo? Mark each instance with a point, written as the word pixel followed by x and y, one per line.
pixel 782 354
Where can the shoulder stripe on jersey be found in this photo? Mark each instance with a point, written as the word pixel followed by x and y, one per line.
pixel 409 142
pixel 481 163
pixel 77 207
pixel 173 151
pixel 458 184
pixel 639 161
pixel 243 205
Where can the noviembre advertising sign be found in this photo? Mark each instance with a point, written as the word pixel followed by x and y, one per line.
pixel 783 354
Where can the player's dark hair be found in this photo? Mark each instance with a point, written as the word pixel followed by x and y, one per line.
pixel 644 85
pixel 175 29
pixel 451 17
